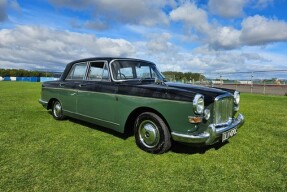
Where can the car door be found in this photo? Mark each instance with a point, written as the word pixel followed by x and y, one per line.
pixel 96 96
pixel 68 87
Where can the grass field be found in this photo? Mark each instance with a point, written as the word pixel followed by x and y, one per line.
pixel 38 153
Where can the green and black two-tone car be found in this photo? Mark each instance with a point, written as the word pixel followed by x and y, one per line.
pixel 126 95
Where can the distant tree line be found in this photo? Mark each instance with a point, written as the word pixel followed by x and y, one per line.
pixel 170 75
pixel 180 76
pixel 23 73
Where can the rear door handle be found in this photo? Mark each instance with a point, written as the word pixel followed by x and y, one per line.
pixel 82 85
pixel 62 84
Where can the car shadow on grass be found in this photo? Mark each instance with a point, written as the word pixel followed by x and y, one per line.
pixel 193 149
pixel 99 128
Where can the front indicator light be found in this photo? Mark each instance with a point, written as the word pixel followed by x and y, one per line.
pixel 236 108
pixel 206 114
pixel 193 119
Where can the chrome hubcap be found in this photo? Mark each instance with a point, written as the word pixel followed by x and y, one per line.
pixel 57 109
pixel 149 134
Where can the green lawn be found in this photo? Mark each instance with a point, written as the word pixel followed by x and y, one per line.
pixel 38 153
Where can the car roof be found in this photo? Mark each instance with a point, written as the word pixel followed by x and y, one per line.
pixel 107 59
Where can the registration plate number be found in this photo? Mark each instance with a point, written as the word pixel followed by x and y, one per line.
pixel 226 135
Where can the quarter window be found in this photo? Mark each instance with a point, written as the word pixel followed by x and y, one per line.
pixel 77 72
pixel 145 72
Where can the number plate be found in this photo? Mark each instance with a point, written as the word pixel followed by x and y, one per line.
pixel 226 135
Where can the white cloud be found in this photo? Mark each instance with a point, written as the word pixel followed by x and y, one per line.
pixel 95 24
pixel 210 61
pixel 258 30
pixel 255 30
pixel 158 48
pixel 196 20
pixel 192 16
pixel 143 12
pixel 44 47
pixel 224 38
pixel 235 8
pixel 159 43
pixel 227 8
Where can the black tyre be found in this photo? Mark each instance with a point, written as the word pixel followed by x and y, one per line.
pixel 57 110
pixel 151 133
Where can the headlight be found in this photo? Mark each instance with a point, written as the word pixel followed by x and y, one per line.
pixel 198 104
pixel 236 97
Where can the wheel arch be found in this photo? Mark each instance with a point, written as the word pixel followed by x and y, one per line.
pixel 129 125
pixel 50 103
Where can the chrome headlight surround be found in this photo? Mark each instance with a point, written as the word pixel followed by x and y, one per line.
pixel 198 104
pixel 236 96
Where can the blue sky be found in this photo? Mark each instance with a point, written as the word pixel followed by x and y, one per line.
pixel 208 36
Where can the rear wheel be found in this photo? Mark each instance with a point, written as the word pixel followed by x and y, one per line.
pixel 151 133
pixel 57 110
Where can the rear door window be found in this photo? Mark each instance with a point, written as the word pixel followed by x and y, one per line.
pixel 98 71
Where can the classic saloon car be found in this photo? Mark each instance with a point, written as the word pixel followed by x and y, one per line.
pixel 132 95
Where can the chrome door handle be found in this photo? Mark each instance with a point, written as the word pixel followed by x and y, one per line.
pixel 82 85
pixel 62 84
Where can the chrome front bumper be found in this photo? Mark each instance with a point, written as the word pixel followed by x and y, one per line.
pixel 210 135
pixel 44 103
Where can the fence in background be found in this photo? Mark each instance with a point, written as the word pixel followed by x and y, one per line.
pixel 261 82
pixel 28 79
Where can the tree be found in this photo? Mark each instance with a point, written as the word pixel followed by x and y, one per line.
pixel 179 76
pixel 23 73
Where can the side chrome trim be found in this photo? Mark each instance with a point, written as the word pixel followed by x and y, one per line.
pixel 210 135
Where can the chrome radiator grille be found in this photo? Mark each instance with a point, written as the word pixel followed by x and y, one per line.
pixel 223 109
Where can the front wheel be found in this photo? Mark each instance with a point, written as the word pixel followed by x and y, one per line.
pixel 151 133
pixel 57 110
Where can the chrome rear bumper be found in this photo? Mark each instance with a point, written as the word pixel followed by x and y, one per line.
pixel 210 135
